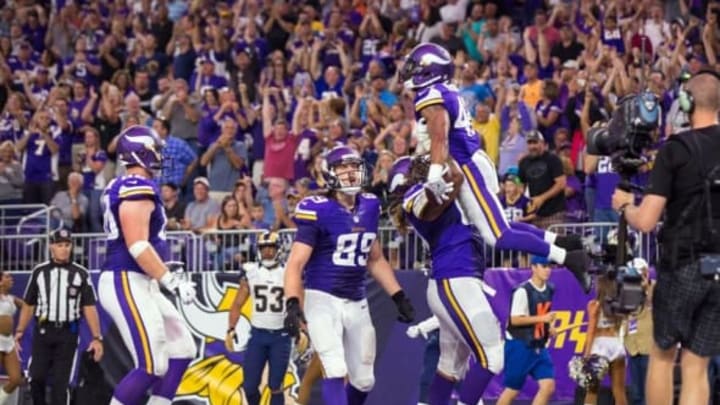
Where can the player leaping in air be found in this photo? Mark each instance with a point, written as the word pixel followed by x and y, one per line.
pixel 151 327
pixel 427 70
pixel 336 245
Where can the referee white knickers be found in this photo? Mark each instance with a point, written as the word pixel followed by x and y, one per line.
pixel 150 325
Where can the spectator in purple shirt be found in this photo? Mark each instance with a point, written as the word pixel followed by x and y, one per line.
pixel 548 112
pixel 83 65
pixel 79 100
pixel 22 63
pixel 39 147
pixel 14 118
pixel 307 137
pixel 33 30
pixel 205 76
pixel 183 55
pixel 91 164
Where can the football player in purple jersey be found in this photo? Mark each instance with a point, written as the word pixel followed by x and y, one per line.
pixel 456 292
pixel 440 109
pixel 129 288
pixel 335 246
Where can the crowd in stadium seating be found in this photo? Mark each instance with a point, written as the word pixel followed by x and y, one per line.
pixel 248 94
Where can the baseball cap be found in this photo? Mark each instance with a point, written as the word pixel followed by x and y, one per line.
pixel 202 180
pixel 534 259
pixel 534 136
pixel 60 235
pixel 512 177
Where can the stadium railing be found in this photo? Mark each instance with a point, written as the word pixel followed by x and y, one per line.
pixel 24 240
pixel 228 250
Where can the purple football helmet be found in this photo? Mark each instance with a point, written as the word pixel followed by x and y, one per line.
pixel 139 145
pixel 349 182
pixel 426 64
pixel 399 175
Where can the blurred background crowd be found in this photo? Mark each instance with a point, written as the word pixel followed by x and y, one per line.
pixel 248 94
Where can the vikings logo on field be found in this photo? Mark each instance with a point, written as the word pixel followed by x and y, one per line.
pixel 216 376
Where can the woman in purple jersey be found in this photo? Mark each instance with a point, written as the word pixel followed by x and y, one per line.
pixel 335 246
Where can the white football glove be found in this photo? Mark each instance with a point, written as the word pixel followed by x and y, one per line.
pixel 423 328
pixel 183 287
pixel 437 185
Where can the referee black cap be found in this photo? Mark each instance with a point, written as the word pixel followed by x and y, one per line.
pixel 60 235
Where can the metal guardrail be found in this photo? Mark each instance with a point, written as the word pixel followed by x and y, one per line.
pixel 228 250
pixel 595 233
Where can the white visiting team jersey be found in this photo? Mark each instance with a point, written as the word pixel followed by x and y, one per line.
pixel 267 293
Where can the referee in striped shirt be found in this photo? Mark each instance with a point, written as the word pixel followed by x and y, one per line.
pixel 58 294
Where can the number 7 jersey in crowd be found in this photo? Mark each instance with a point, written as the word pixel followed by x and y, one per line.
pixel 341 240
pixel 131 188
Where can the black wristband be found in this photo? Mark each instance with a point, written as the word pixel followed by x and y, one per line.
pixel 231 329
pixel 398 296
pixel 292 302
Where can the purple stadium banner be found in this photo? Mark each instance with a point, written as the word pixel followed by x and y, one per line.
pixel 215 376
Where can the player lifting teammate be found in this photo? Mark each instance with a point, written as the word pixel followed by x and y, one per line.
pixel 455 293
pixel 427 70
pixel 151 327
pixel 335 246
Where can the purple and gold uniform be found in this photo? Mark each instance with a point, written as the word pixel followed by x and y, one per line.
pixel 456 296
pixel 455 247
pixel 478 193
pixel 150 325
pixel 338 319
pixel 341 241
pixel 463 140
pixel 131 188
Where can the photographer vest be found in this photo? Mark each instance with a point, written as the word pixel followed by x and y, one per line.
pixel 539 303
pixel 692 222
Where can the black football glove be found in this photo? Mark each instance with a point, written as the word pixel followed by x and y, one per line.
pixel 404 307
pixel 294 317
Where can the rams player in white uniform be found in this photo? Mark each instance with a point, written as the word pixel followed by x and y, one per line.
pixel 269 342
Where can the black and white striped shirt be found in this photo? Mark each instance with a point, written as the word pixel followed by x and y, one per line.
pixel 59 291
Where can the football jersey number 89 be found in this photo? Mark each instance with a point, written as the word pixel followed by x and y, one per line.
pixel 353 249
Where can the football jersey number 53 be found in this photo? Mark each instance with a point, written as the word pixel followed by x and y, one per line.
pixel 353 249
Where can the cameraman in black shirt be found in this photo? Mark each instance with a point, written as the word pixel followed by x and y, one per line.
pixel 686 305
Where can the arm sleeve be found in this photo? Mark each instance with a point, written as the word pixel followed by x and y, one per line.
pixel 87 296
pixel 31 291
pixel 520 303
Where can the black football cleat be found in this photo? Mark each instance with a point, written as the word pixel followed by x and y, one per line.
pixel 569 242
pixel 578 262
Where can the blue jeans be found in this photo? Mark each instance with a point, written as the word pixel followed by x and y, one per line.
pixel 638 371
pixel 266 346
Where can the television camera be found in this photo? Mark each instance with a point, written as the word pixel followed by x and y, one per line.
pixel 624 138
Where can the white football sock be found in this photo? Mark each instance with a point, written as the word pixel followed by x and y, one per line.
pixel 557 254
pixel 550 237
